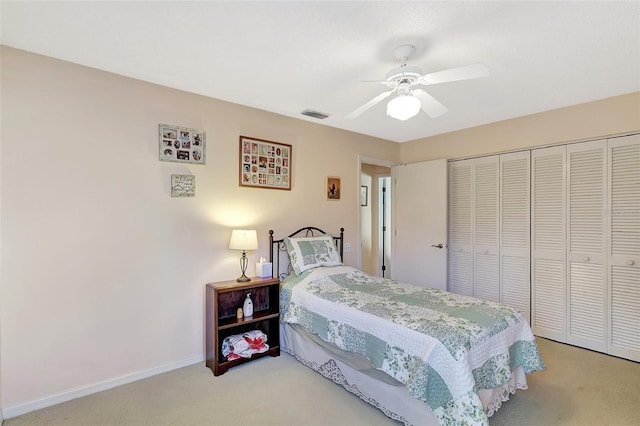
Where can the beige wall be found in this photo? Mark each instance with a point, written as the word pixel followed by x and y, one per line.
pixel 599 119
pixel 102 272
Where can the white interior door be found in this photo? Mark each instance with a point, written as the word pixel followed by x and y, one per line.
pixel 419 248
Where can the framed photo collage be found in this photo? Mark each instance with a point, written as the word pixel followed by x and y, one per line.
pixel 265 164
pixel 181 144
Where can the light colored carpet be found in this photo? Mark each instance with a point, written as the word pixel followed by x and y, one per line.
pixel 580 387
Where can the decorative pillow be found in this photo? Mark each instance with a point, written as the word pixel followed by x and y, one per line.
pixel 312 252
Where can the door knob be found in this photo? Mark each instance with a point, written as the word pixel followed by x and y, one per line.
pixel 437 246
pixel 630 262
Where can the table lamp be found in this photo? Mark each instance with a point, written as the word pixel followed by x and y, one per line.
pixel 242 239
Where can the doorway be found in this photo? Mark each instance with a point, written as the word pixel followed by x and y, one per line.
pixel 375 219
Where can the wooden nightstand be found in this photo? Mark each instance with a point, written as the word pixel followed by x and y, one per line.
pixel 223 300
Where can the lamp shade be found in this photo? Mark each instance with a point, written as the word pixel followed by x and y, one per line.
pixel 243 239
pixel 403 107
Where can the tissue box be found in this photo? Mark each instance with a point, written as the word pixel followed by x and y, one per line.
pixel 263 270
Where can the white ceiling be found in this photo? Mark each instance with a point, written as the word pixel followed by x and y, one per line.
pixel 286 57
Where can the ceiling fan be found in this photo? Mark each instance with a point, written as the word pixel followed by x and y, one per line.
pixel 410 99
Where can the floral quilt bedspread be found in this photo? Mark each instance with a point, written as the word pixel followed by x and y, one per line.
pixel 442 346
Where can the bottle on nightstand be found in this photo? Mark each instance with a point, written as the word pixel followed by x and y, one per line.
pixel 247 308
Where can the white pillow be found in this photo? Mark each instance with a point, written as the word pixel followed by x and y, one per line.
pixel 312 252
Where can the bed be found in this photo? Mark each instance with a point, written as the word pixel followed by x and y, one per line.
pixel 421 356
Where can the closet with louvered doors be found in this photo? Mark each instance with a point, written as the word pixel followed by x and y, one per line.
pixel 569 282
pixel 489 229
pixel 586 245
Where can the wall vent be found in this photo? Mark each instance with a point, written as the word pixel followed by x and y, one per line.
pixel 314 114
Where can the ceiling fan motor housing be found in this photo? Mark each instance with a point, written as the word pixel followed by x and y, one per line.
pixel 404 74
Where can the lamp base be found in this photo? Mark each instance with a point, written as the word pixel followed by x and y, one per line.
pixel 243 279
pixel 243 267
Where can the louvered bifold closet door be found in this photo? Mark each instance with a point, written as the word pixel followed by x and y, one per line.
pixel 486 267
pixel 586 251
pixel 514 219
pixel 548 245
pixel 624 257
pixel 460 259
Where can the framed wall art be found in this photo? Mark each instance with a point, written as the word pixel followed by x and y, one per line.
pixel 333 188
pixel 183 186
pixel 265 164
pixel 364 195
pixel 181 144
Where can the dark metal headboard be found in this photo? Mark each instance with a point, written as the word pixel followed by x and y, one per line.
pixel 277 246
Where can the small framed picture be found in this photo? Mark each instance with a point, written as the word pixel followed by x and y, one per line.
pixel 364 195
pixel 181 144
pixel 333 188
pixel 183 186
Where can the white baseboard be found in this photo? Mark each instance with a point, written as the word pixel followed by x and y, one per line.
pixel 19 410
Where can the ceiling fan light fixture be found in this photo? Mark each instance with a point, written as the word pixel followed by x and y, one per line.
pixel 403 107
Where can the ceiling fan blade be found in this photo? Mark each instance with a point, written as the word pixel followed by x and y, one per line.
pixel 430 105
pixel 466 72
pixel 374 81
pixel 369 104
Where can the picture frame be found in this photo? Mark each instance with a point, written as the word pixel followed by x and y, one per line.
pixel 181 144
pixel 333 188
pixel 364 195
pixel 183 186
pixel 265 164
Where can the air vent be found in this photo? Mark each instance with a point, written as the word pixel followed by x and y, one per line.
pixel 314 114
